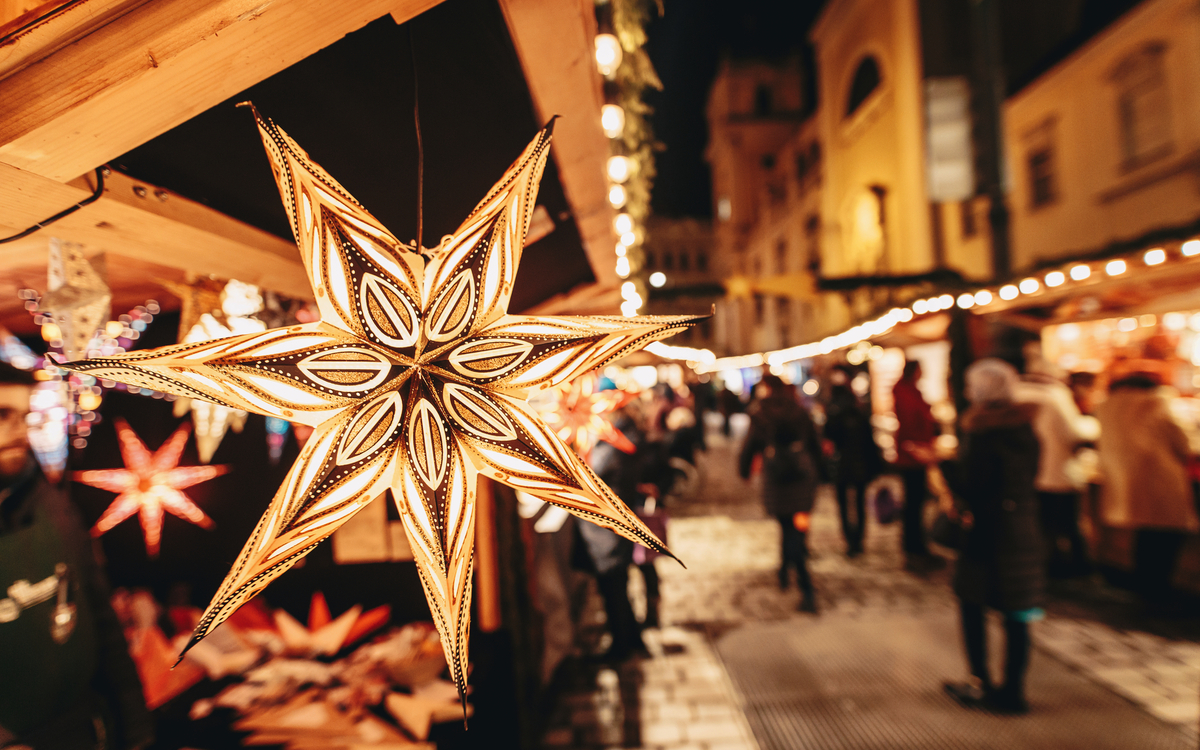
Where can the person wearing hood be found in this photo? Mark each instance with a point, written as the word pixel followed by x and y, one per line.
pixel 1000 565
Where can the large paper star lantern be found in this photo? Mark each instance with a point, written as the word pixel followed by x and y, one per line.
pixel 415 380
pixel 78 300
pixel 149 485
pixel 578 412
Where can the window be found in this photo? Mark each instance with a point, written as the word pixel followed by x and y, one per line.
pixel 812 236
pixel 649 259
pixel 781 250
pixel 1040 164
pixel 757 268
pixel 685 261
pixel 866 80
pixel 760 305
pixel 701 261
pixel 1041 177
pixel 970 227
pixel 762 100
pixel 1143 108
pixel 783 318
pixel 768 161
pixel 668 260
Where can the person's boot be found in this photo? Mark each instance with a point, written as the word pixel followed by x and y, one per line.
pixel 1008 701
pixel 974 693
pixel 783 579
pixel 808 602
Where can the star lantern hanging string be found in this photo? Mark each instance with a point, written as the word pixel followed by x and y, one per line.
pixel 150 485
pixel 415 379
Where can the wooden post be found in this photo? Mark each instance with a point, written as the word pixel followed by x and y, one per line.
pixel 487 563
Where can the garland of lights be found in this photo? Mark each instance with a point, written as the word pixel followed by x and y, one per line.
pixel 703 360
pixel 622 60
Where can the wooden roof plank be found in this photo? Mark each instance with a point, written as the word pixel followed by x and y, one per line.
pixel 157 66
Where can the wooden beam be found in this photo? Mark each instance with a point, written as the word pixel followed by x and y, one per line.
pixel 138 220
pixel 554 40
pixel 156 66
pixel 51 26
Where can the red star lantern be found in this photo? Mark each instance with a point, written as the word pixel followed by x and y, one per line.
pixel 149 485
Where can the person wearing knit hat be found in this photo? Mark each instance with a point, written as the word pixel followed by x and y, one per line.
pixel 1001 562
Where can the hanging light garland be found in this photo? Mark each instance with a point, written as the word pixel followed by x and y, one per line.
pixel 622 60
pixel 1072 274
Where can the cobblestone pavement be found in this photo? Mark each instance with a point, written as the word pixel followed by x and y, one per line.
pixel 727 603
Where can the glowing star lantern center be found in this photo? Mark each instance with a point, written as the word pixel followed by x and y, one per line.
pixel 150 485
pixel 415 379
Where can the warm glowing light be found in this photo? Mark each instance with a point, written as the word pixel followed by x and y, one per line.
pixel 657 279
pixel 1115 267
pixel 920 307
pixel 946 301
pixel 1029 286
pixel 1191 248
pixel 1068 332
pixel 608 54
pixel 114 328
pixel 1174 321
pixel 811 387
pixel 983 297
pixel 617 196
pixel 612 119
pixel 628 239
pixel 622 267
pixel 623 224
pixel 1155 256
pixel 966 301
pixel 621 250
pixel 628 290
pixel 1055 278
pixel 1008 291
pixel 89 401
pixel 904 315
pixel 1079 273
pixel 619 168
pixel 51 332
pixel 1126 325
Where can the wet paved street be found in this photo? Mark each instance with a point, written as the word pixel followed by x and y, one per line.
pixel 736 666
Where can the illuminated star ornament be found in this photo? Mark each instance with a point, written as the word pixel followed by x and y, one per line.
pixel 577 412
pixel 149 485
pixel 415 379
pixel 78 300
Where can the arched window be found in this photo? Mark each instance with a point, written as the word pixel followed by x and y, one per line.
pixel 866 80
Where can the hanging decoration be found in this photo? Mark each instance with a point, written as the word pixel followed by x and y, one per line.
pixel 149 485
pixel 415 379
pixel 197 297
pixel 578 413
pixel 236 303
pixel 78 301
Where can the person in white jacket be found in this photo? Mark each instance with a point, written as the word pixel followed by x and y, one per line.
pixel 1060 429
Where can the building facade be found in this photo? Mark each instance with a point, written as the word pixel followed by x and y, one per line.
pixel 815 213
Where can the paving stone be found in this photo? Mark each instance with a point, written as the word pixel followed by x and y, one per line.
pixel 1179 712
pixel 713 730
pixel 662 733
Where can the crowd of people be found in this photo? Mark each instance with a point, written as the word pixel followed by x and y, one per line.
pixel 1008 488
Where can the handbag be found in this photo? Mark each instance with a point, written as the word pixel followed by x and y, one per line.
pixel 949 529
pixel 886 508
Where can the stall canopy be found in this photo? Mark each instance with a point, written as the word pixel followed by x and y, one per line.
pixel 149 89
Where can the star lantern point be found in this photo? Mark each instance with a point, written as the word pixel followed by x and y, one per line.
pixel 414 379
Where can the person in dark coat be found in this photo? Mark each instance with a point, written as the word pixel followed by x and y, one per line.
pixel 66 678
pixel 1001 564
pixel 914 453
pixel 783 433
pixel 848 428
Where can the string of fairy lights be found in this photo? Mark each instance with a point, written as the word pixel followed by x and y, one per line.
pixel 979 300
pixel 623 63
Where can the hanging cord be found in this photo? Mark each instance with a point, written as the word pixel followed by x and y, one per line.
pixel 47 222
pixel 420 147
